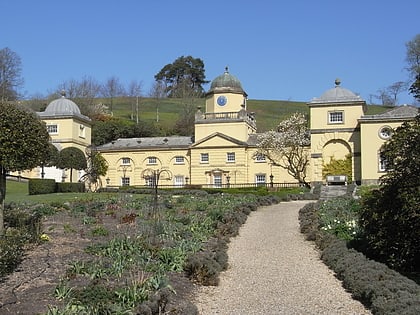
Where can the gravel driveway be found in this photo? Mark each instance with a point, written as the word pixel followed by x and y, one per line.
pixel 273 270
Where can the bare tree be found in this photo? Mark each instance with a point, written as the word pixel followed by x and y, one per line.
pixel 413 56
pixel 134 92
pixel 157 92
pixel 186 118
pixel 384 97
pixel 111 89
pixel 84 93
pixel 395 89
pixel 10 75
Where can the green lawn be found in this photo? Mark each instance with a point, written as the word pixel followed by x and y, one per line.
pixel 18 192
pixel 268 112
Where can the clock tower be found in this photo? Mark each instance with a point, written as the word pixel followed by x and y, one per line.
pixel 226 110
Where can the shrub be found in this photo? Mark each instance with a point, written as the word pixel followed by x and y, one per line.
pixel 70 187
pixel 339 216
pixel 11 253
pixel 37 186
pixel 391 223
pixel 22 226
pixel 380 288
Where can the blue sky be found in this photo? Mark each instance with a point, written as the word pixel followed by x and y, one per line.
pixel 279 50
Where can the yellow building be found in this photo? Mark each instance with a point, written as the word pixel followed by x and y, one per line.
pixel 221 155
pixel 223 150
pixel 374 131
pixel 67 127
pixel 340 128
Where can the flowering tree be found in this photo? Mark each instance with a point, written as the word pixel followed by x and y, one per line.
pixel 286 146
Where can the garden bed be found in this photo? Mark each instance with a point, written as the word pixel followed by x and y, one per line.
pixel 126 254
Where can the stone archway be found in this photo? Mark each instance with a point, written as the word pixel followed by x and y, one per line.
pixel 337 159
pixel 335 148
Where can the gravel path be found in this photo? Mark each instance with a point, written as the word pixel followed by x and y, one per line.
pixel 273 270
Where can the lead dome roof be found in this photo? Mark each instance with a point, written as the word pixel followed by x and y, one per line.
pixel 337 94
pixel 63 107
pixel 226 83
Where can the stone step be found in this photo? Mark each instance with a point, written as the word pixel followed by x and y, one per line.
pixel 328 192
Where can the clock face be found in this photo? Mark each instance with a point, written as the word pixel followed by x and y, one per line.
pixel 221 100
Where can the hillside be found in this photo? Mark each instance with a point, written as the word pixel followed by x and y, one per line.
pixel 164 113
pixel 268 112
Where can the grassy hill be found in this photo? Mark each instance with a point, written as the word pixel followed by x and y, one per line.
pixel 268 112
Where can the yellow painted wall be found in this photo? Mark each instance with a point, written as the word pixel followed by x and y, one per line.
pixel 234 102
pixel 371 143
pixel 136 169
pixel 319 115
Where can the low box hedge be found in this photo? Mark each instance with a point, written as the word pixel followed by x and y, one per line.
pixel 38 186
pixel 379 288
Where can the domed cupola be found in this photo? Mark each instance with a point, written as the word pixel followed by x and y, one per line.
pixel 337 94
pixel 62 106
pixel 226 83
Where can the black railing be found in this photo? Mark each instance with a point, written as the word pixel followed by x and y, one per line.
pixel 223 186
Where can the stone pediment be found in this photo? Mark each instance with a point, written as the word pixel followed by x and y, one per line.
pixel 218 139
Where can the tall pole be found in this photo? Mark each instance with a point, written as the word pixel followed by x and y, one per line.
pixel 137 109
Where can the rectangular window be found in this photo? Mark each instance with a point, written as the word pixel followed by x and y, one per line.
pixel 149 181
pixel 179 180
pixel 217 180
pixel 230 157
pixel 82 131
pixel 260 179
pixel 204 158
pixel 125 181
pixel 179 160
pixel 52 129
pixel 383 167
pixel 260 158
pixel 335 117
pixel 152 160
pixel 125 161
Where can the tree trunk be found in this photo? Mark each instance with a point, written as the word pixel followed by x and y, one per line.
pixel 2 197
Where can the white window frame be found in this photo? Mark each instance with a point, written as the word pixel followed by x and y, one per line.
pixel 152 160
pixel 260 158
pixel 125 181
pixel 179 180
pixel 385 132
pixel 230 157
pixel 217 180
pixel 336 117
pixel 82 131
pixel 125 161
pixel 179 160
pixel 382 163
pixel 260 179
pixel 204 158
pixel 52 126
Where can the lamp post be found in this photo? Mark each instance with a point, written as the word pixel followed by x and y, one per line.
pixel 107 181
pixel 186 180
pixel 271 181
pixel 228 181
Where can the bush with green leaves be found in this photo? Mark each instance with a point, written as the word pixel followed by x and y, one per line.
pixel 23 225
pixel 37 186
pixel 381 289
pixel 340 217
pixel 390 216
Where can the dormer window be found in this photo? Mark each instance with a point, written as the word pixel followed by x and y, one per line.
pixel 336 117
